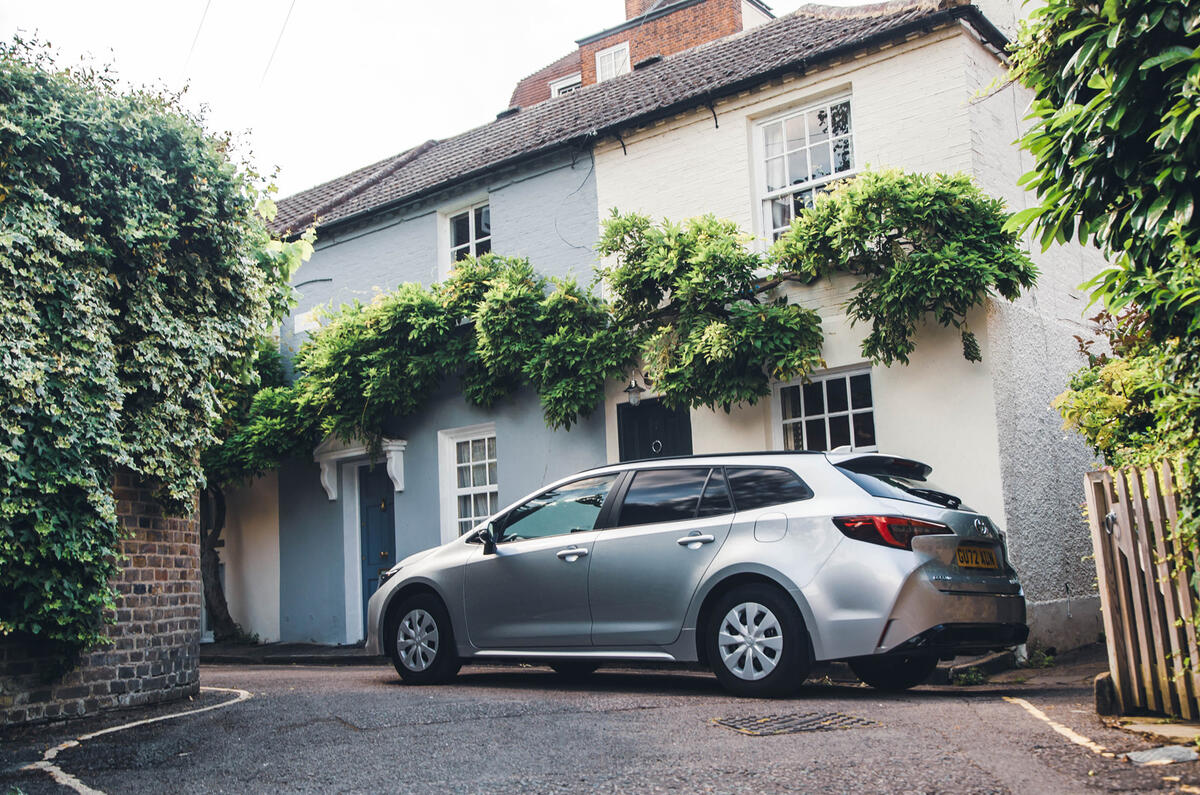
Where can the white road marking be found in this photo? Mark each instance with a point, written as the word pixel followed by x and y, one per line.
pixel 64 778
pixel 1070 734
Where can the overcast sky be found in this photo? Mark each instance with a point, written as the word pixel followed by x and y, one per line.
pixel 351 82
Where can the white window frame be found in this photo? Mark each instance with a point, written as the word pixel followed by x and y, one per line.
pixel 610 53
pixel 446 233
pixel 824 375
pixel 762 196
pixel 566 85
pixel 448 477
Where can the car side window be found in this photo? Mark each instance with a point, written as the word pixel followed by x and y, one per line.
pixel 716 499
pixel 570 508
pixel 662 495
pixel 758 487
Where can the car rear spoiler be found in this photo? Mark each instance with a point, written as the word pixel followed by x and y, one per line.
pixel 875 464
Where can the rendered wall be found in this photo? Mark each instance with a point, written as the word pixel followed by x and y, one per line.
pixel 986 428
pixel 251 556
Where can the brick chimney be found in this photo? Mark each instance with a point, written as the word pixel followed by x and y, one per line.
pixel 635 8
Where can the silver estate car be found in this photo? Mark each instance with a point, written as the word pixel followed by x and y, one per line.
pixel 754 564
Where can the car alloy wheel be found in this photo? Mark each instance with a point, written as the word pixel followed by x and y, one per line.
pixel 750 641
pixel 417 640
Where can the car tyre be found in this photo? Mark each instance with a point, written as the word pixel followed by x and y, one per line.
pixel 756 642
pixel 574 670
pixel 421 641
pixel 894 672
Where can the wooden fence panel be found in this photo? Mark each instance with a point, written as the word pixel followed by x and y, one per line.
pixel 1149 604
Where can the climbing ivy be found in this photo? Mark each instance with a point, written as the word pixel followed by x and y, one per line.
pixel 136 271
pixel 924 246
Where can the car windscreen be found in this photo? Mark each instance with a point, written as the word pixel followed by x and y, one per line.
pixel 892 487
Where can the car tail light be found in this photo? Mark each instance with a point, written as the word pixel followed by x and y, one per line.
pixel 888 531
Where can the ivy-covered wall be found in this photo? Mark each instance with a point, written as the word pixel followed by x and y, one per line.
pixel 150 654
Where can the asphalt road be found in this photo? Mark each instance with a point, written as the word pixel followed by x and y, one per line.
pixel 357 729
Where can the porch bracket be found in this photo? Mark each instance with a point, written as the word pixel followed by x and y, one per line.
pixel 333 451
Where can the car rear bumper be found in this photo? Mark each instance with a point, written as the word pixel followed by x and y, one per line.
pixel 953 622
pixel 956 639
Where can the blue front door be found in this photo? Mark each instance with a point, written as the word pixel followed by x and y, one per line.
pixel 377 498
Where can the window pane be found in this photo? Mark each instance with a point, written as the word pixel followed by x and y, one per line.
pixel 835 392
pixel 798 166
pixel 574 506
pixel 802 201
pixel 663 495
pixel 716 496
pixel 460 229
pixel 843 158
pixel 840 118
pixel 814 432
pixel 491 447
pixel 860 391
pixel 759 487
pixel 781 213
pixel 773 139
pixel 463 451
pixel 822 165
pixel 481 505
pixel 461 253
pixel 795 132
pixel 464 527
pixel 464 477
pixel 479 475
pixel 478 449
pixel 483 221
pixel 789 396
pixel 818 125
pixel 793 436
pixel 839 431
pixel 483 247
pixel 814 399
pixel 464 506
pixel 493 502
pixel 491 475
pixel 776 178
pixel 864 429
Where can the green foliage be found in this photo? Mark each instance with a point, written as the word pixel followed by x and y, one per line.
pixel 136 272
pixel 924 245
pixel 970 677
pixel 691 297
pixel 1116 146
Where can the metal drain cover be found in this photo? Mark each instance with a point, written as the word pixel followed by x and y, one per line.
pixel 764 725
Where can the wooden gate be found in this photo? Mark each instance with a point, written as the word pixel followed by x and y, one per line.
pixel 1145 590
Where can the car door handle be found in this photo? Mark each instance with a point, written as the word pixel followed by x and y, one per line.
pixel 573 554
pixel 695 540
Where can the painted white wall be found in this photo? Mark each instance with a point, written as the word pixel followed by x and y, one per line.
pixel 752 16
pixel 927 105
pixel 251 556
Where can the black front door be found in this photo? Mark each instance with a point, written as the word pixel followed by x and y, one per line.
pixel 377 496
pixel 651 430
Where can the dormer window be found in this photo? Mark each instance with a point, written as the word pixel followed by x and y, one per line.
pixel 566 85
pixel 612 62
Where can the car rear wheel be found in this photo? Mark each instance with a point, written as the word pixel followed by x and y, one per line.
pixel 894 671
pixel 422 641
pixel 756 642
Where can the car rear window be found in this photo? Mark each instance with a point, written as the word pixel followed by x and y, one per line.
pixel 758 487
pixel 663 495
pixel 893 487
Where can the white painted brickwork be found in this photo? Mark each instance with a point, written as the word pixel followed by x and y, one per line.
pixel 930 104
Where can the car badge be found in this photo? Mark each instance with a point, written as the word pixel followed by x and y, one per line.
pixel 983 528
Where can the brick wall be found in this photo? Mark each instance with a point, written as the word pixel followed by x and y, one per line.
pixel 155 643
pixel 677 31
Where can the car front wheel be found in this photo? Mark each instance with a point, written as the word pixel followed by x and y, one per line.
pixel 422 641
pixel 894 671
pixel 756 642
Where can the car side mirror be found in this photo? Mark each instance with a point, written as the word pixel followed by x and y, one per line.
pixel 487 536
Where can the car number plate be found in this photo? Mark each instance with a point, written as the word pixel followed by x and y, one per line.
pixel 976 558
